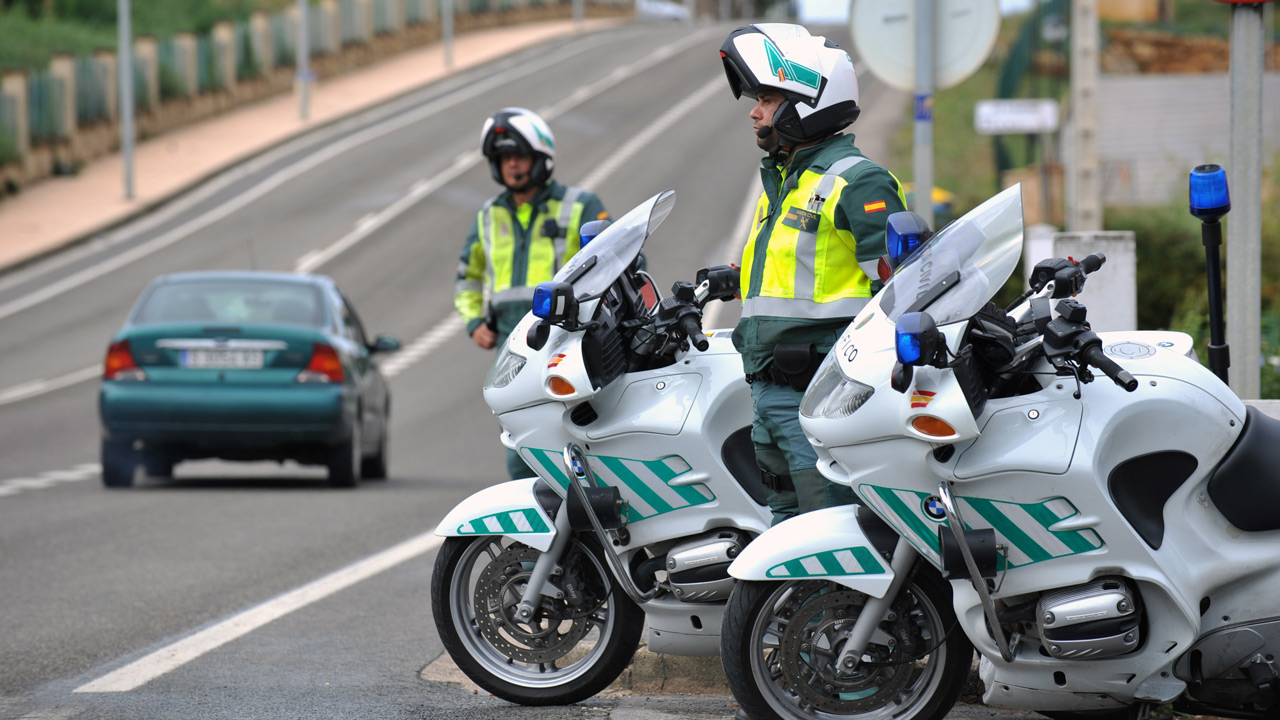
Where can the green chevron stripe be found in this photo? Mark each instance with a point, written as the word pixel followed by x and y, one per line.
pixel 925 533
pixel 636 485
pixel 831 566
pixel 1009 529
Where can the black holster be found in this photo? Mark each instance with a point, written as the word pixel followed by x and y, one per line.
pixel 794 364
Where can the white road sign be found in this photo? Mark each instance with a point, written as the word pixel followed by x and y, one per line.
pixel 1015 117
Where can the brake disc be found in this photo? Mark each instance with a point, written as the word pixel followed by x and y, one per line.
pixel 811 642
pixel 549 635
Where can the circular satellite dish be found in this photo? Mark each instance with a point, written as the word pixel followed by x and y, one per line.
pixel 884 39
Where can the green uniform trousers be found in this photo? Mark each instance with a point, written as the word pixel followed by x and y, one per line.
pixel 782 449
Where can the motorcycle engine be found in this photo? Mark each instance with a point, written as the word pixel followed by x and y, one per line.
pixel 1096 620
pixel 698 569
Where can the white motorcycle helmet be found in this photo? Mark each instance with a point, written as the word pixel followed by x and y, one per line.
pixel 814 75
pixel 520 131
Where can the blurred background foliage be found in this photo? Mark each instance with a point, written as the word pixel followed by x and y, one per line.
pixel 33 30
pixel 1172 285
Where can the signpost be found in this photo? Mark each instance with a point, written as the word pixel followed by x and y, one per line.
pixel 923 46
pixel 124 70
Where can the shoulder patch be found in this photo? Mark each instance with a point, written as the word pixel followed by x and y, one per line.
pixel 873 206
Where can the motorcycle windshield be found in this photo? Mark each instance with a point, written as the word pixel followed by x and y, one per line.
pixel 962 267
pixel 594 268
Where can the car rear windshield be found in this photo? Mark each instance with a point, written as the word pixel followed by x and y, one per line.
pixel 233 302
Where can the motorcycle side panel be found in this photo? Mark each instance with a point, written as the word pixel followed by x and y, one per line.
pixel 665 460
pixel 508 509
pixel 824 544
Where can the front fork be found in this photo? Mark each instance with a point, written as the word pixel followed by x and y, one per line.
pixel 876 609
pixel 548 563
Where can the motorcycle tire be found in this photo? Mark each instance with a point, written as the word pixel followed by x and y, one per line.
pixel 565 654
pixel 807 622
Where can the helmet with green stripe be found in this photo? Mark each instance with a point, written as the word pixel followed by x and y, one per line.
pixel 519 131
pixel 814 76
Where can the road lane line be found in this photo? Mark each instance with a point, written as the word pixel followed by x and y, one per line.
pixel 40 387
pixel 733 246
pixel 422 188
pixel 173 656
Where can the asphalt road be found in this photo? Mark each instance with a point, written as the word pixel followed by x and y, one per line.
pixel 92 581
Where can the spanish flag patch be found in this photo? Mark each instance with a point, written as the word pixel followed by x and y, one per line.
pixel 873 206
pixel 602 215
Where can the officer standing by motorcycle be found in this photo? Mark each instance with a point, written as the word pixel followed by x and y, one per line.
pixel 521 236
pixel 814 243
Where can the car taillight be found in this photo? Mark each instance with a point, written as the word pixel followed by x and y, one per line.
pixel 119 364
pixel 325 366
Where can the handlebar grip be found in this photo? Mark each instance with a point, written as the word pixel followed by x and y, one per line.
pixel 1094 356
pixel 1093 262
pixel 691 326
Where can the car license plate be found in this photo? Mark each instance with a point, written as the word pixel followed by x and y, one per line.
pixel 222 358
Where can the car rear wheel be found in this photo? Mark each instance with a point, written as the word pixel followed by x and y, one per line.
pixel 374 467
pixel 119 460
pixel 344 460
pixel 158 464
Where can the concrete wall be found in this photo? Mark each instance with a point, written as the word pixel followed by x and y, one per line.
pixel 1152 129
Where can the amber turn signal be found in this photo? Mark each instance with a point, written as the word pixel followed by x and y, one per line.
pixel 932 426
pixel 560 386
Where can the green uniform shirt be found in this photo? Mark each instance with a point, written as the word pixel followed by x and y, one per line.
pixel 510 250
pixel 811 254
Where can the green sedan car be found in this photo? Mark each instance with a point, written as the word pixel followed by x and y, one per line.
pixel 244 366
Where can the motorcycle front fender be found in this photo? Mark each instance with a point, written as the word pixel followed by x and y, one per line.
pixel 509 508
pixel 820 545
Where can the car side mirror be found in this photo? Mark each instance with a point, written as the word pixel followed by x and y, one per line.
pixel 385 344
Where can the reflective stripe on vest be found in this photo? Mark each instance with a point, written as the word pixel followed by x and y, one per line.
pixel 803 308
pixel 486 237
pixel 522 292
pixel 807 241
pixel 566 216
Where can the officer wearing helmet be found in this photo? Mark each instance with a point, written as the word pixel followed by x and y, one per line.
pixel 520 237
pixel 817 235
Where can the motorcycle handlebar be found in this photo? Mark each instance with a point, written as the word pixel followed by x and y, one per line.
pixel 1093 262
pixel 691 326
pixel 1094 356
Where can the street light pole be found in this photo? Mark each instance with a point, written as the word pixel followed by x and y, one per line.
pixel 446 31
pixel 124 71
pixel 303 77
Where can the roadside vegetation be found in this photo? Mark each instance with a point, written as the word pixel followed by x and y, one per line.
pixel 34 30
pixel 1172 285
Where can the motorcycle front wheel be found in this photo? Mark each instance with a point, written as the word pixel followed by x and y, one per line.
pixel 571 649
pixel 781 640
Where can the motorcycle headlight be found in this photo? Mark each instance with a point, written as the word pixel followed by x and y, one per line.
pixel 505 369
pixel 831 394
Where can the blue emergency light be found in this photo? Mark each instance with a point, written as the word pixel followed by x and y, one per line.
pixel 904 232
pixel 1208 192
pixel 908 347
pixel 554 301
pixel 590 230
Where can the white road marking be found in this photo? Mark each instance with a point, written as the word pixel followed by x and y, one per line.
pixel 175 655
pixel 48 479
pixel 426 186
pixel 733 246
pixel 39 387
pixel 421 347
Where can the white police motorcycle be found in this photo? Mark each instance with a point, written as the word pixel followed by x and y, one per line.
pixel 647 484
pixel 1107 547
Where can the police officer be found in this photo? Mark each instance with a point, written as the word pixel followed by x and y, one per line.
pixel 817 235
pixel 520 237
